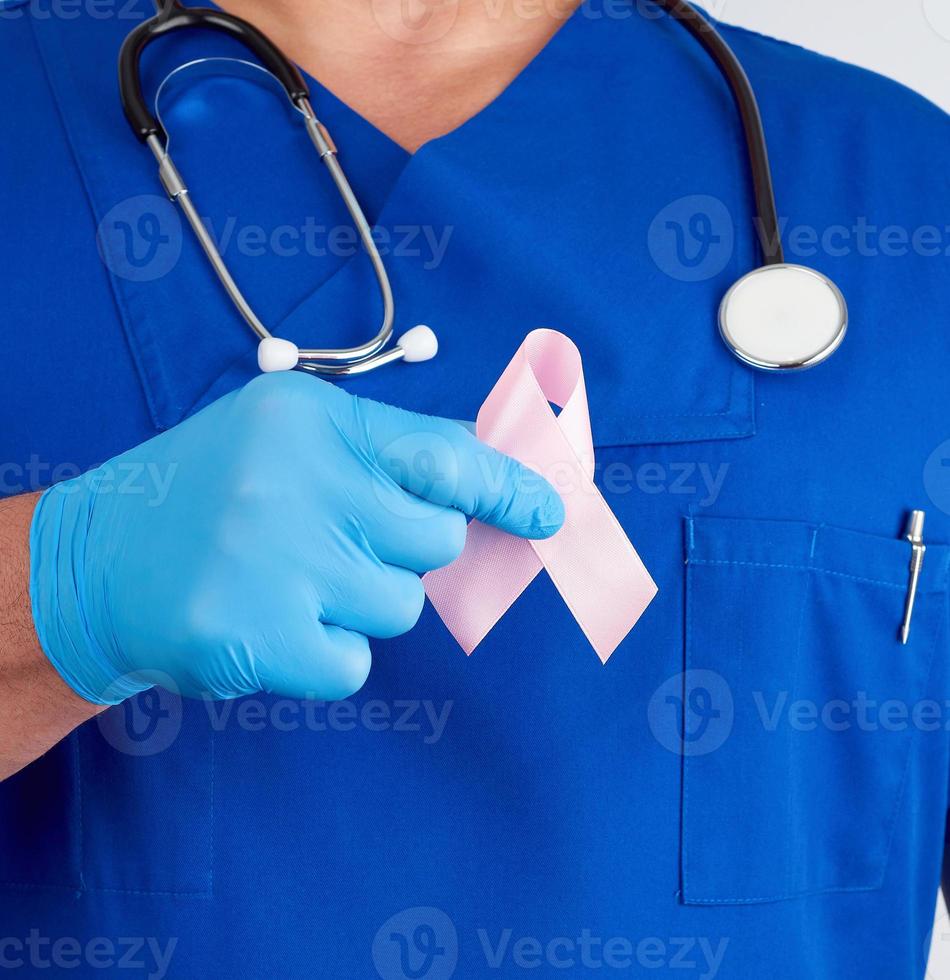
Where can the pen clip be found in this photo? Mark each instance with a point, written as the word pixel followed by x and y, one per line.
pixel 915 535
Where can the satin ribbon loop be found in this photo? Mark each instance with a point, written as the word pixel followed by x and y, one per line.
pixel 591 561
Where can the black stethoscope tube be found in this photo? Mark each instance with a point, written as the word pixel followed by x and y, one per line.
pixel 728 64
pixel 172 17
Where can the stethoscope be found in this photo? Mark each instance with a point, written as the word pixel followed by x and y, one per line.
pixel 778 317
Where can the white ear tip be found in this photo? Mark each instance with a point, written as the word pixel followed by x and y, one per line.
pixel 274 354
pixel 419 344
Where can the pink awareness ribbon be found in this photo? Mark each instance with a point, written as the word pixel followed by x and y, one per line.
pixel 590 560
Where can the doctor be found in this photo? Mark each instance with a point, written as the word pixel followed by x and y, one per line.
pixel 756 784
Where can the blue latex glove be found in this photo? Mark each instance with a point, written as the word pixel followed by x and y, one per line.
pixel 257 545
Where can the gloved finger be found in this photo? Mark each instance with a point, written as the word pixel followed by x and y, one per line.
pixel 440 461
pixel 410 532
pixel 315 661
pixel 379 600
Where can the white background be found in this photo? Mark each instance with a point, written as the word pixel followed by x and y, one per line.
pixel 906 39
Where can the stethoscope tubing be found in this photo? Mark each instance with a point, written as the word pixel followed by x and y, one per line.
pixel 751 116
pixel 172 16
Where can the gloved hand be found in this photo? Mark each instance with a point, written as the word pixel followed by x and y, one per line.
pixel 257 545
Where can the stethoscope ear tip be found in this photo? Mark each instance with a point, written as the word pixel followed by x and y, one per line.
pixel 276 354
pixel 418 344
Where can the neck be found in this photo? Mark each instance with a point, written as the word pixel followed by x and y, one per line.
pixel 416 69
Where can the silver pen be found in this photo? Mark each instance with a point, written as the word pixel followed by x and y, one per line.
pixel 915 535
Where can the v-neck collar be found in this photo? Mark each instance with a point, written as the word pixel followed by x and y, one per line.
pixel 530 191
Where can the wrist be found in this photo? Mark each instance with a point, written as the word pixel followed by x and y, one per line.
pixel 36 707
pixel 67 592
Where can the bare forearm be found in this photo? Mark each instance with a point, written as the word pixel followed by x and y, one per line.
pixel 37 709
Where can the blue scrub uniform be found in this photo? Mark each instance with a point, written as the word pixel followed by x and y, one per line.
pixel 757 782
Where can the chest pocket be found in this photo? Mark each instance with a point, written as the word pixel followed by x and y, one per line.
pixel 801 705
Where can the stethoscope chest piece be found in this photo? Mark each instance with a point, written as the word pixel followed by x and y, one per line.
pixel 783 318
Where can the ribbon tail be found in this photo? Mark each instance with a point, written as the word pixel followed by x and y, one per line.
pixel 482 584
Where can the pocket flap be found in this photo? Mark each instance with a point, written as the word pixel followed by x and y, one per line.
pixel 871 558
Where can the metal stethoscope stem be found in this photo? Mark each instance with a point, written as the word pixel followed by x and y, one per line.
pixel 340 361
